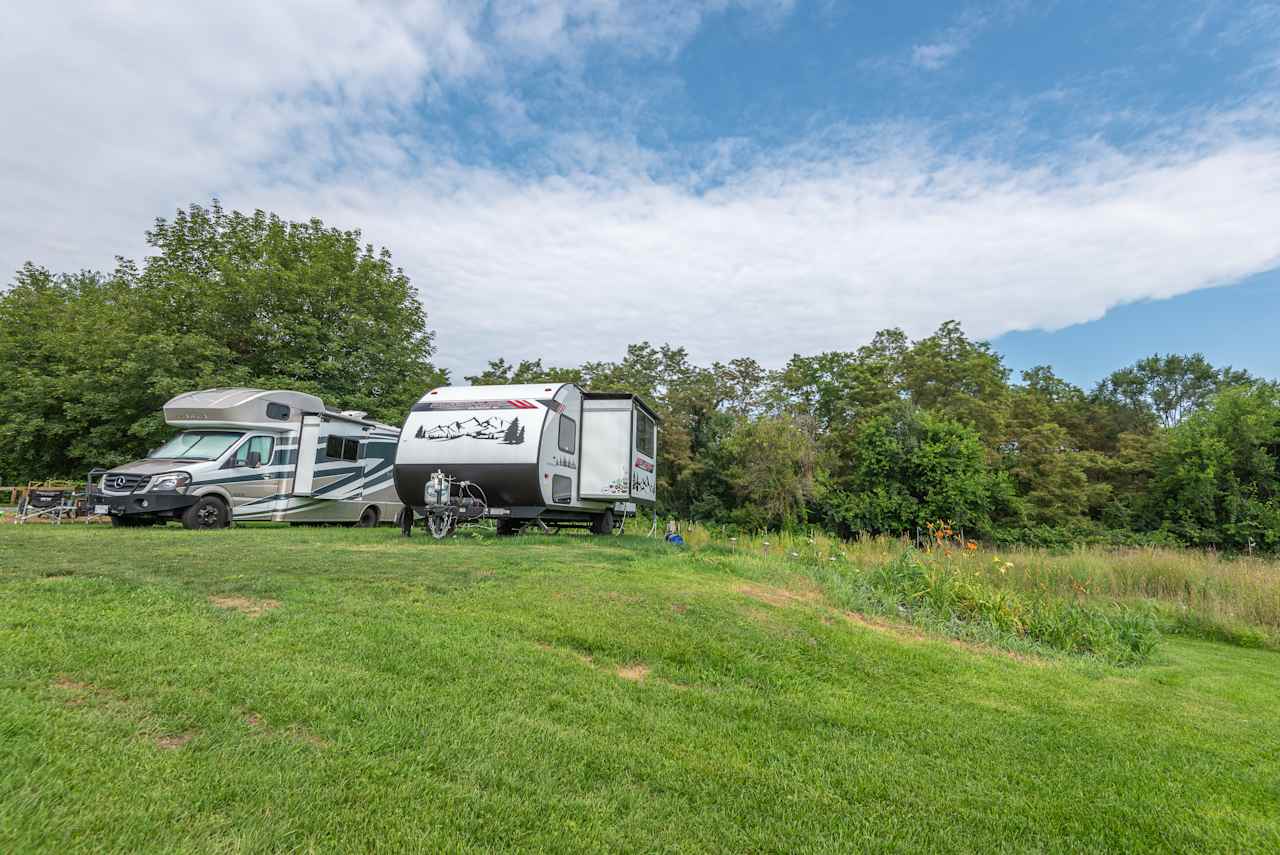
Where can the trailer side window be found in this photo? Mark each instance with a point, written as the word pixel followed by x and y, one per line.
pixel 568 438
pixel 646 435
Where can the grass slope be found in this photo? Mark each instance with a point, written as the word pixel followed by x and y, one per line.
pixel 339 690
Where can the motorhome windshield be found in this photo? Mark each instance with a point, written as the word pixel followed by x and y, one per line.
pixel 197 445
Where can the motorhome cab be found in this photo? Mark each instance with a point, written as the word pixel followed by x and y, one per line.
pixel 551 454
pixel 251 454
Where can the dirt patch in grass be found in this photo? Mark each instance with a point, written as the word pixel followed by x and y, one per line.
pixel 296 732
pixel 82 691
pixel 779 596
pixel 174 740
pixel 679 608
pixel 245 605
pixel 907 632
pixel 635 673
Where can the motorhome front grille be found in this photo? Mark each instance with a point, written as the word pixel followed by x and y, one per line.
pixel 124 482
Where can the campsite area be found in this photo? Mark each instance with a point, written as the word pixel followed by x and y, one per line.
pixel 323 689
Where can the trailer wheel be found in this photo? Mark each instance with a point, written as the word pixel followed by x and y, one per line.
pixel 207 513
pixel 404 519
pixel 603 524
pixel 507 527
pixel 368 518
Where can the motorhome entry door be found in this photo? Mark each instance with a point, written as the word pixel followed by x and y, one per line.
pixel 305 469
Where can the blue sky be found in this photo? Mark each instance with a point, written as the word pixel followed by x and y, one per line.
pixel 1082 182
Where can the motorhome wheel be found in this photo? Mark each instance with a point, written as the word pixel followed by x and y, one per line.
pixel 208 512
pixel 368 518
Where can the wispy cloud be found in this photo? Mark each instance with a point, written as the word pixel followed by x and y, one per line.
pixel 945 46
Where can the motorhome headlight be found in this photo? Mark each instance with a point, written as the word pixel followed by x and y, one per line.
pixel 169 481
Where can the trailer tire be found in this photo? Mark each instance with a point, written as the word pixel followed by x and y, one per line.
pixel 368 518
pixel 507 527
pixel 603 523
pixel 209 512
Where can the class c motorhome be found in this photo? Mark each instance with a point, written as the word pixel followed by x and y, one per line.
pixel 253 454
pixel 549 453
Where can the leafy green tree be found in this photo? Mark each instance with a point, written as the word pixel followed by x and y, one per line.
pixel 501 373
pixel 1169 387
pixel 292 304
pixel 839 388
pixel 773 460
pixel 1050 476
pixel 1216 480
pixel 225 300
pixel 906 468
pixel 949 374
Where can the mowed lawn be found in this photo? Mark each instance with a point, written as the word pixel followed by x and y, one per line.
pixel 341 690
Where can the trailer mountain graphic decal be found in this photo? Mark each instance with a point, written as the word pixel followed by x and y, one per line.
pixel 492 428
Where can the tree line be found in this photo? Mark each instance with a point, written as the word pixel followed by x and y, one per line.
pixel 890 437
pixel 898 435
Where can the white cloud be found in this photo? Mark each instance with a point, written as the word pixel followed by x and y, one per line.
pixel 950 43
pixel 128 115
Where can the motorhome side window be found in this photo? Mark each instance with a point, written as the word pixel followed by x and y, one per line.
pixel 568 438
pixel 341 448
pixel 279 412
pixel 263 446
pixel 646 435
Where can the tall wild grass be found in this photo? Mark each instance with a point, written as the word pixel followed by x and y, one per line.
pixel 1094 600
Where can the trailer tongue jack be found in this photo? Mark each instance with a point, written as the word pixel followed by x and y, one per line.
pixel 446 503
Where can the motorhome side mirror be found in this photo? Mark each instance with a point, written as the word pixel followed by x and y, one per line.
pixel 254 460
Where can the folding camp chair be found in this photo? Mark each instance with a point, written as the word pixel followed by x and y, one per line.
pixel 52 503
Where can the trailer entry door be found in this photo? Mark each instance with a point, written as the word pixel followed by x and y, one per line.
pixel 305 469
pixel 606 450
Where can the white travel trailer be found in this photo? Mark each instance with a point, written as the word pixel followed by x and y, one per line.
pixel 251 454
pixel 549 453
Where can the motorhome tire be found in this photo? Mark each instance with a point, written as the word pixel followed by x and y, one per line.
pixel 404 519
pixel 603 523
pixel 208 512
pixel 368 518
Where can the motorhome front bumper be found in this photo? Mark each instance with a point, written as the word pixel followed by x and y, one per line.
pixel 139 503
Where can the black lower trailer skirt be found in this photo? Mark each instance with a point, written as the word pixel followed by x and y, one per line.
pixel 504 485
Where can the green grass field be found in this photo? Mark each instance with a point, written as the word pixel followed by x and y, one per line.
pixel 337 690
